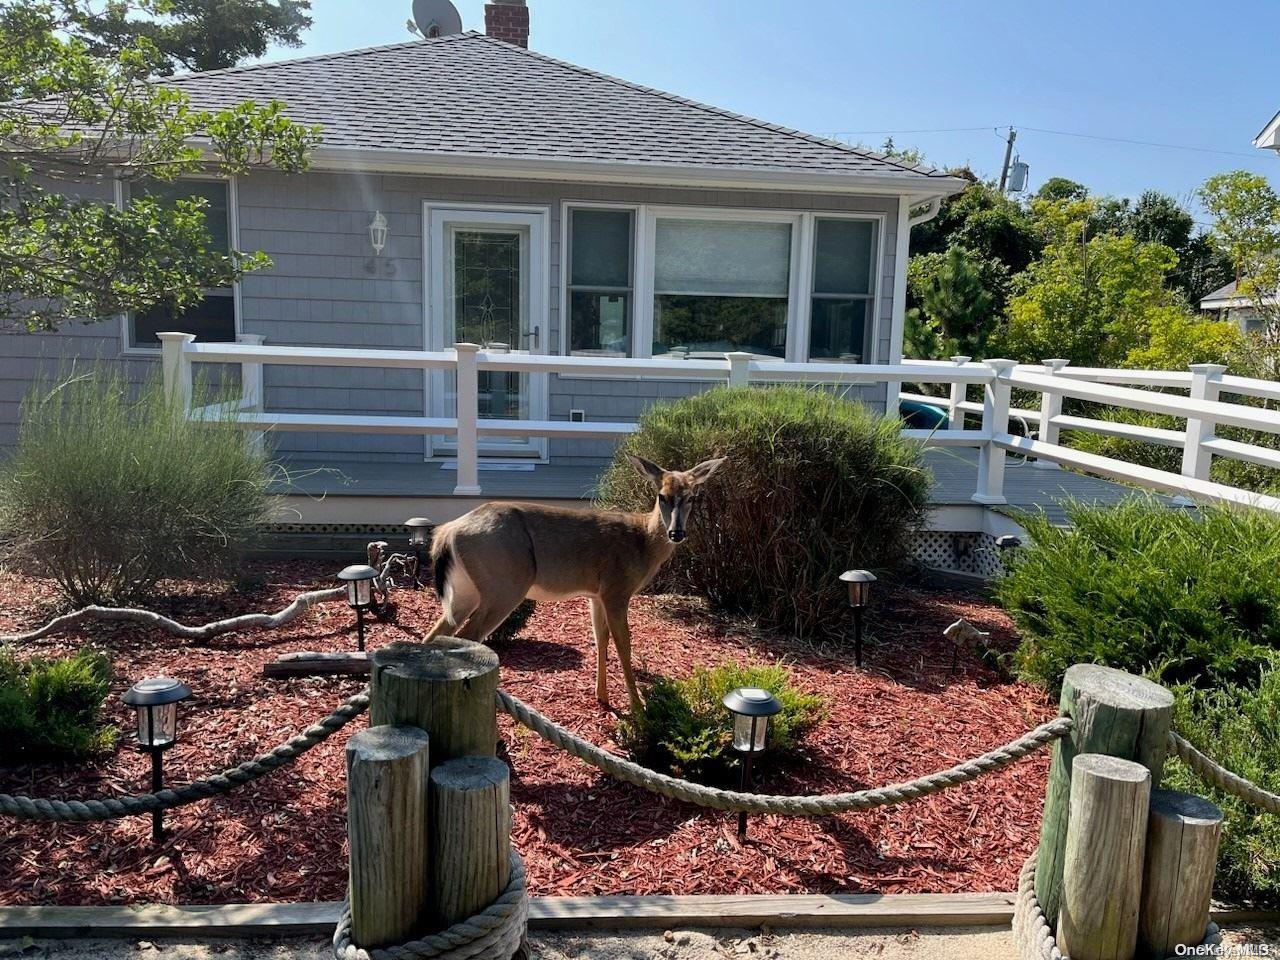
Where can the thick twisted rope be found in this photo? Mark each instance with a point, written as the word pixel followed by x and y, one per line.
pixel 108 808
pixel 1032 938
pixel 492 934
pixel 204 632
pixel 812 806
pixel 1221 777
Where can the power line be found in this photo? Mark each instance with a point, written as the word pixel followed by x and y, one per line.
pixel 995 128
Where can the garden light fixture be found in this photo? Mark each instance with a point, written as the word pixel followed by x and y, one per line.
pixel 751 708
pixel 419 543
pixel 359 582
pixel 378 233
pixel 859 582
pixel 156 702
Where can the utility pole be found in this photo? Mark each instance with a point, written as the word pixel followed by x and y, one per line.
pixel 1008 156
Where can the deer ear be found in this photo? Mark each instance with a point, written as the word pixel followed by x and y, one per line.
pixel 647 469
pixel 705 470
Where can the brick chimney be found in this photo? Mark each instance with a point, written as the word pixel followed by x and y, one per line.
pixel 507 20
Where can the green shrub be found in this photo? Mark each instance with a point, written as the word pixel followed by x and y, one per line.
pixel 1240 729
pixel 112 488
pixel 815 485
pixel 52 709
pixel 1186 596
pixel 685 728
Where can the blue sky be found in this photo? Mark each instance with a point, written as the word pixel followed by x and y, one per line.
pixel 1190 74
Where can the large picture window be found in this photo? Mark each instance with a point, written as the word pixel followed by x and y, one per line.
pixel 842 313
pixel 601 282
pixel 214 317
pixel 720 286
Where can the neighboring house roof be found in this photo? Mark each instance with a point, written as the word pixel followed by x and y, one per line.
pixel 1268 137
pixel 470 99
pixel 1225 298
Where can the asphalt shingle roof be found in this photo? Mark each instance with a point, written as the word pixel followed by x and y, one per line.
pixel 471 95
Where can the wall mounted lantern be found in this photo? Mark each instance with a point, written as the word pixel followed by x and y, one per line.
pixel 378 233
pixel 156 702
pixel 859 582
pixel 358 579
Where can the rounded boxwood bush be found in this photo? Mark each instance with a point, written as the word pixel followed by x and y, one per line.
pixel 815 485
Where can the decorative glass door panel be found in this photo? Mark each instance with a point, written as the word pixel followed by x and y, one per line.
pixel 485 271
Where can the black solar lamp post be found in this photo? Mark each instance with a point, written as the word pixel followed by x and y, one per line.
pixel 156 702
pixel 419 543
pixel 359 583
pixel 751 708
pixel 859 582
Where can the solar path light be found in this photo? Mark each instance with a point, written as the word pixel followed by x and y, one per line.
pixel 156 702
pixel 419 545
pixel 859 582
pixel 358 579
pixel 751 708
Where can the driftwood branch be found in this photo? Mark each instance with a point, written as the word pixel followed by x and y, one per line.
pixel 150 619
pixel 379 557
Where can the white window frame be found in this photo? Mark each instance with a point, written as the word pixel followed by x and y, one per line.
pixel 800 285
pixel 127 347
pixel 797 295
pixel 566 256
pixel 872 334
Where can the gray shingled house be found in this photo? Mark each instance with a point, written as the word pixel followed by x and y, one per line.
pixel 469 189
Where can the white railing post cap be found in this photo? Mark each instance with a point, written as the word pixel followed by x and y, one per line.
pixel 960 361
pixel 251 339
pixel 172 337
pixel 1055 364
pixel 1001 368
pixel 467 347
pixel 1208 369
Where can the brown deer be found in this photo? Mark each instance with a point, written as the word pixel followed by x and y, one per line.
pixel 487 562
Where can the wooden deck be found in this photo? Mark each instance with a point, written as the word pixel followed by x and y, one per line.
pixel 955 472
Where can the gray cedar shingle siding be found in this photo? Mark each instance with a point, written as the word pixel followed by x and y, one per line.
pixel 320 293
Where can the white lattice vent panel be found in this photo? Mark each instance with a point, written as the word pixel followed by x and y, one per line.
pixel 971 553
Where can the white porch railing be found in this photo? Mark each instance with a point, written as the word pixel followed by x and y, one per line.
pixel 1054 380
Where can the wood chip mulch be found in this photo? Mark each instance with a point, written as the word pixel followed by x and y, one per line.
pixel 282 837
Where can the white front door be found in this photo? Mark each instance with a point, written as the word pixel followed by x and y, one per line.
pixel 488 282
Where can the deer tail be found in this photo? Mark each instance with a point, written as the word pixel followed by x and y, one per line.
pixel 441 560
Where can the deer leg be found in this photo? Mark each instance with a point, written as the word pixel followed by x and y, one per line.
pixel 600 627
pixel 616 614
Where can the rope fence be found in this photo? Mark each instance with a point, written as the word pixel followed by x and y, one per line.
pixel 810 806
pixel 109 808
pixel 1221 777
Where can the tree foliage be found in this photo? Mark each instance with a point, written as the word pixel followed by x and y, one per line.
pixel 1246 230
pixel 73 118
pixel 198 34
pixel 957 312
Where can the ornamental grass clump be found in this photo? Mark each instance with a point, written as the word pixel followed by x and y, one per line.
pixel 815 485
pixel 1186 596
pixel 51 709
pixel 112 488
pixel 686 730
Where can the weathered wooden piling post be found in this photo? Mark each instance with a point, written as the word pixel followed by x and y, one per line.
pixel 470 836
pixel 444 691
pixel 1102 872
pixel 1183 832
pixel 1116 714
pixel 387 833
pixel 447 687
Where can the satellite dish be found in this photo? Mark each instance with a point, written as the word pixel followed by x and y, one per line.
pixel 436 18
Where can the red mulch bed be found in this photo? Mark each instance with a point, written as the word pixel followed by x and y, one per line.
pixel 282 838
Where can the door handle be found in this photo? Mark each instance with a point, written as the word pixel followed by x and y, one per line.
pixel 533 335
